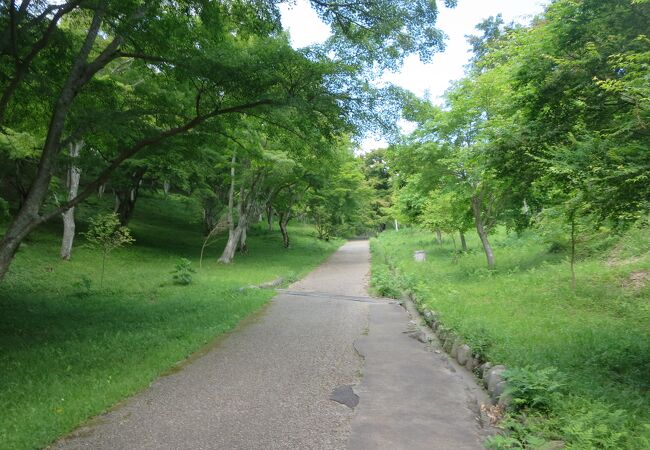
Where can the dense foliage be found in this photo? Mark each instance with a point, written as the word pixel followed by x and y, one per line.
pixel 136 94
pixel 549 127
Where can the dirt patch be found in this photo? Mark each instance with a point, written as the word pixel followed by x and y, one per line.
pixel 615 258
pixel 615 261
pixel 637 280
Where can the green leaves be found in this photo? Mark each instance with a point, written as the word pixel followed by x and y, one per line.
pixel 106 234
pixel 534 389
pixel 182 273
pixel 381 33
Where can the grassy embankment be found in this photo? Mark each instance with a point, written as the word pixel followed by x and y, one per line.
pixel 525 315
pixel 68 352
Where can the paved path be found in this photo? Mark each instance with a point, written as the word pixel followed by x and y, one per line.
pixel 270 383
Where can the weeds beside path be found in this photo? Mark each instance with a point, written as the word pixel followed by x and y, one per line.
pixel 525 315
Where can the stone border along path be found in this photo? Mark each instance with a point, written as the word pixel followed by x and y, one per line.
pixel 455 346
pixel 324 366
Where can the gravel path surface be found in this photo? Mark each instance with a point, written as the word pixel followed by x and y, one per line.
pixel 291 378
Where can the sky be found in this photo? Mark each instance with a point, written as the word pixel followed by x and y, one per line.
pixel 431 79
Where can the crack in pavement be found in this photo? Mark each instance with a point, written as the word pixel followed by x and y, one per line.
pixel 354 298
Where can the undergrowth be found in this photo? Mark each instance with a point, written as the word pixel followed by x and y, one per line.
pixel 579 359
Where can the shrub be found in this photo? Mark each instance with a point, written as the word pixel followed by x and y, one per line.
pixel 182 273
pixel 384 283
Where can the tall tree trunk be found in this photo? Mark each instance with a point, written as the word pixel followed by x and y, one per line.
pixel 128 196
pixel 480 229
pixel 439 236
pixel 233 237
pixel 463 243
pixel 74 174
pixel 284 221
pixel 396 225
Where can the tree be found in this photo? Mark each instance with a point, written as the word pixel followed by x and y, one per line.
pixel 339 201
pixel 106 234
pixel 449 213
pixel 577 95
pixel 377 175
pixel 72 184
pixel 211 59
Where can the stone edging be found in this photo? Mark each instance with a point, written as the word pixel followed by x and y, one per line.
pixel 457 348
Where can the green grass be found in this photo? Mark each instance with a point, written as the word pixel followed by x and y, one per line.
pixel 68 353
pixel 525 315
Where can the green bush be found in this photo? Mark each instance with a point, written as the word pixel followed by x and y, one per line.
pixel 384 283
pixel 182 273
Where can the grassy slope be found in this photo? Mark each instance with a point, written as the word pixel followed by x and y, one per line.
pixel 67 354
pixel 525 314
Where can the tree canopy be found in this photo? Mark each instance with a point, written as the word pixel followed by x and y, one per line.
pixel 549 116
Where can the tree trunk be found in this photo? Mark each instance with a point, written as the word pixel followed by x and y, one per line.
pixel 396 225
pixel 127 197
pixel 284 220
pixel 269 216
pixel 453 239
pixel 439 237
pixel 463 243
pixel 482 233
pixel 233 236
pixel 230 248
pixel 17 231
pixel 573 251
pixel 74 174
pixel 242 240
pixel 210 217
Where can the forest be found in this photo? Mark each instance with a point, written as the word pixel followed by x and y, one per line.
pixel 157 155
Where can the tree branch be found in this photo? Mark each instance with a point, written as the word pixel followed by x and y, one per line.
pixel 22 67
pixel 138 146
pixel 144 57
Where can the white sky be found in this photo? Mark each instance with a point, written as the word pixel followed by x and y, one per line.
pixel 433 79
